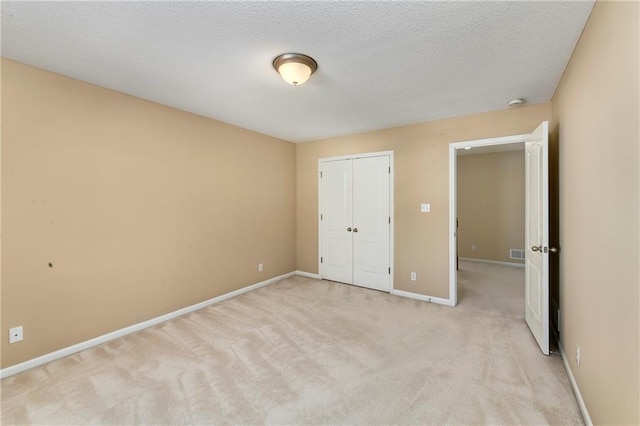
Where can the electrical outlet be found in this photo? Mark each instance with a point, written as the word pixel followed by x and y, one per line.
pixel 15 334
pixel 260 267
pixel 578 355
pixel 414 276
pixel 473 247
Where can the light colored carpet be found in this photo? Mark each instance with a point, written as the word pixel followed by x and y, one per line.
pixel 303 351
pixel 492 289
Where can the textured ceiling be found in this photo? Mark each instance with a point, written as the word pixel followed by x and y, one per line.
pixel 381 64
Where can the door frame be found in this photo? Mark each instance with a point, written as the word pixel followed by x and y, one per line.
pixel 391 205
pixel 453 197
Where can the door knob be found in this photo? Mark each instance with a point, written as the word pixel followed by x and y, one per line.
pixel 553 250
pixel 349 229
pixel 355 229
pixel 536 248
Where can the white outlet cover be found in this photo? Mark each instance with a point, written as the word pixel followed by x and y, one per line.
pixel 425 207
pixel 15 334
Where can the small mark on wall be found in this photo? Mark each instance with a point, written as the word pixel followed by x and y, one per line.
pixel 50 265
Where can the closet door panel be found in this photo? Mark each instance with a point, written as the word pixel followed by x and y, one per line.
pixel 337 238
pixel 371 228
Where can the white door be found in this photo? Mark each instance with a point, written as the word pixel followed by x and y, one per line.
pixel 355 221
pixel 336 260
pixel 371 222
pixel 537 236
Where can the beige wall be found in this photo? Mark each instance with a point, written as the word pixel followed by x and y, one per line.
pixel 421 156
pixel 491 205
pixel 596 117
pixel 140 208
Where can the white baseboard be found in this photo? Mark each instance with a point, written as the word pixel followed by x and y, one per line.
pixel 422 297
pixel 495 262
pixel 308 275
pixel 576 390
pixel 61 353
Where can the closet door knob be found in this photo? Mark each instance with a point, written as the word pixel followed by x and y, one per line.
pixel 355 229
pixel 349 229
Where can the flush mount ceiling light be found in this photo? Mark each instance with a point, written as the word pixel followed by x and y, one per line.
pixel 516 102
pixel 295 68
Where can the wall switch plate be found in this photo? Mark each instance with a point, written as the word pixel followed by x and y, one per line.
pixel 15 334
pixel 473 247
pixel 578 355
pixel 425 207
pixel 414 276
pixel 260 267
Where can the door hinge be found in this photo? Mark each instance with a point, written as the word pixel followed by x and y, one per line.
pixel 321 174
pixel 321 218
pixel 389 219
pixel 389 271
pixel 320 260
pixel 389 169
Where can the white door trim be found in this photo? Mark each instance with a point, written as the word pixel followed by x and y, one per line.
pixel 391 205
pixel 453 213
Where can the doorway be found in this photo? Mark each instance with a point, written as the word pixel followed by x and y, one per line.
pixel 491 219
pixel 536 225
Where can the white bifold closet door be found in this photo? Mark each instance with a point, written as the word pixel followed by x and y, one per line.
pixel 355 221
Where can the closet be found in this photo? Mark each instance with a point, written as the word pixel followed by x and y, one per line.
pixel 355 220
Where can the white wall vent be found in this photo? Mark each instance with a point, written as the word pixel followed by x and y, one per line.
pixel 516 254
